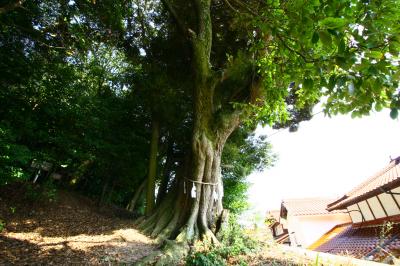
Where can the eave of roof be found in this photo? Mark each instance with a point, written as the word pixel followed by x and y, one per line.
pixel 353 200
pixel 282 238
pixel 387 179
pixel 273 224
pixel 306 207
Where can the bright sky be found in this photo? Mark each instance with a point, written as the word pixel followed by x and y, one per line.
pixel 325 157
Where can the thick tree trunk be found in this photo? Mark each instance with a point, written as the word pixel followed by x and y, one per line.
pixel 191 209
pixel 207 204
pixel 152 167
pixel 193 205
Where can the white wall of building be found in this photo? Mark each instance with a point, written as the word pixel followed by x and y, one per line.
pixel 376 207
pixel 355 213
pixel 305 230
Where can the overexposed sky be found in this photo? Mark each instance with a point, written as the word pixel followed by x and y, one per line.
pixel 326 157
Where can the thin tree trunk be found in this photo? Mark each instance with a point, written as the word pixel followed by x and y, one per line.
pixel 103 193
pixel 162 191
pixel 109 197
pixel 138 192
pixel 152 166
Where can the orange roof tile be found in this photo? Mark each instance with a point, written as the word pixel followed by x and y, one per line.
pixel 329 235
pixel 306 206
pixel 387 178
pixel 360 242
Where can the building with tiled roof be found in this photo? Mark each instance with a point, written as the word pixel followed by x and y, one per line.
pixel 374 209
pixel 306 219
pixel 306 206
pixel 278 228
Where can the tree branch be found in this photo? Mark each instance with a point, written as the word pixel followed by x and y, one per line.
pixel 11 6
pixel 171 10
pixel 227 123
pixel 230 6
pixel 307 60
pixel 246 7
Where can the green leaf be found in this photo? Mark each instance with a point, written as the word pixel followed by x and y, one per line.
pixel 325 38
pixel 315 37
pixel 354 114
pixel 308 83
pixel 332 82
pixel 394 47
pixel 374 54
pixel 341 46
pixel 378 107
pixel 315 3
pixel 372 70
pixel 332 23
pixel 332 32
pixel 394 113
pixel 341 61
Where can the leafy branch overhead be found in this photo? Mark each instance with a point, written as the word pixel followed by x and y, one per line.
pixel 345 52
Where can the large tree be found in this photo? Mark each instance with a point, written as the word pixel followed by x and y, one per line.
pixel 204 68
pixel 271 62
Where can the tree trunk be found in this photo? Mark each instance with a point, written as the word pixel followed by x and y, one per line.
pixel 152 166
pixel 162 190
pixel 138 192
pixel 192 208
pixel 207 204
pixel 109 197
pixel 103 192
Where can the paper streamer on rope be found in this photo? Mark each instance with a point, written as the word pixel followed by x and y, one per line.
pixel 215 194
pixel 193 192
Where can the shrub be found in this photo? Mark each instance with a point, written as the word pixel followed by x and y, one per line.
pixel 44 192
pixel 2 225
pixel 13 157
pixel 233 243
pixel 209 258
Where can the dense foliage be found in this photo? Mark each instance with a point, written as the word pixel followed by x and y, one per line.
pixel 71 94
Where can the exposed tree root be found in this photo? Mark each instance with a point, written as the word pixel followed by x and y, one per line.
pixel 171 254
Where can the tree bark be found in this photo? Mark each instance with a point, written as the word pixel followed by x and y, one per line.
pixel 151 184
pixel 162 190
pixel 11 6
pixel 181 215
pixel 138 192
pixel 103 192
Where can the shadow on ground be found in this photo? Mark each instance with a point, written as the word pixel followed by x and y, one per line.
pixel 68 215
pixel 70 230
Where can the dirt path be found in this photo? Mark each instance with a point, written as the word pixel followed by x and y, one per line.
pixel 68 231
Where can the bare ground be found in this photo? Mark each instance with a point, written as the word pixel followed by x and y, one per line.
pixel 69 230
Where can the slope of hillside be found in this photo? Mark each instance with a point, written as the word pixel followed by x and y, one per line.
pixel 69 230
